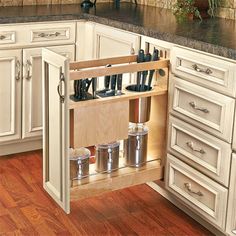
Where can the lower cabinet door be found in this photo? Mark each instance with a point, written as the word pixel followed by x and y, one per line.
pixel 32 88
pixel 198 192
pixel 10 95
pixel 231 215
pixel 56 128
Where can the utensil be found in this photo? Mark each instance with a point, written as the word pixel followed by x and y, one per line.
pixel 113 82
pixel 119 83
pixel 83 90
pixel 94 86
pixel 148 58
pixel 139 60
pixel 155 57
pixel 88 84
pixel 107 79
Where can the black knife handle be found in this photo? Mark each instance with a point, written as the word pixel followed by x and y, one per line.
pixel 107 79
pixel 141 56
pixel 94 86
pixel 113 82
pixel 119 82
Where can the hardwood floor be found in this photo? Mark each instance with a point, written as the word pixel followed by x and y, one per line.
pixel 25 209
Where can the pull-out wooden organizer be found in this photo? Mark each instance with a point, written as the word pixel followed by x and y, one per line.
pixel 76 124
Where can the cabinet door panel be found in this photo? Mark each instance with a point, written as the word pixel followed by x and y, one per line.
pixel 110 42
pixel 32 88
pixel 10 95
pixel 56 132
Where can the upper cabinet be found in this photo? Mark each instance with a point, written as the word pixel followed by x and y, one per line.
pixel 10 94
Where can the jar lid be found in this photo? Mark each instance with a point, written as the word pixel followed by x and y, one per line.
pixel 137 129
pixel 79 153
pixel 108 145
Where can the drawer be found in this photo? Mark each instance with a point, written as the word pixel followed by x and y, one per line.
pixel 209 71
pixel 204 196
pixel 37 34
pixel 203 151
pixel 202 107
pixel 7 37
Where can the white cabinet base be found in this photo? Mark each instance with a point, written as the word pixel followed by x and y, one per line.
pixel 20 146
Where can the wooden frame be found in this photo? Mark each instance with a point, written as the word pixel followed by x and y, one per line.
pixel 126 176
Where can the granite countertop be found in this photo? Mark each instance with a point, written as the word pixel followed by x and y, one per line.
pixel 217 36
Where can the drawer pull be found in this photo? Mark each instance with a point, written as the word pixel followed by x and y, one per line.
pixel 198 69
pixel 28 66
pixel 18 68
pixel 2 37
pixel 194 106
pixel 52 35
pixel 190 145
pixel 189 188
pixel 234 231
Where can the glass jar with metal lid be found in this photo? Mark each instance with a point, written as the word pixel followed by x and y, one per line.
pixel 107 157
pixel 79 163
pixel 135 147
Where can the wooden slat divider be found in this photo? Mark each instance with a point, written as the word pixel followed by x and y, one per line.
pixel 131 68
pixel 103 62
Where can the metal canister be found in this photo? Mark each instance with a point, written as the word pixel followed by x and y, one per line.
pixel 107 157
pixel 135 147
pixel 79 163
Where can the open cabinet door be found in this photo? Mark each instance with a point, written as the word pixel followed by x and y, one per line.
pixel 56 127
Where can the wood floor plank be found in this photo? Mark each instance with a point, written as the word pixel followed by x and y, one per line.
pixel 26 209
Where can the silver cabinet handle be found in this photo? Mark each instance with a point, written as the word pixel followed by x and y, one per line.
pixel 194 106
pixel 18 68
pixel 234 231
pixel 188 186
pixel 59 87
pixel 28 65
pixel 191 145
pixel 2 37
pixel 49 35
pixel 198 69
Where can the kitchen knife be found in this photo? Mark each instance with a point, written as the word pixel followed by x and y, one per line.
pixel 94 86
pixel 107 79
pixel 83 90
pixel 88 84
pixel 119 83
pixel 139 60
pixel 76 88
pixel 148 58
pixel 113 82
pixel 155 57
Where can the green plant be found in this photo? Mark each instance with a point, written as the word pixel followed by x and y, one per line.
pixel 183 9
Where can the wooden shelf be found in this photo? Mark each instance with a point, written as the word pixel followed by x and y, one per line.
pixel 122 178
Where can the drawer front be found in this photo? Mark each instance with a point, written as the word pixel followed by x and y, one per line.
pixel 202 107
pixel 201 194
pixel 203 151
pixel 209 71
pixel 7 37
pixel 37 34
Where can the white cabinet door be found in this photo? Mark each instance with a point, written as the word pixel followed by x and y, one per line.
pixel 32 88
pixel 55 127
pixel 111 42
pixel 10 95
pixel 231 215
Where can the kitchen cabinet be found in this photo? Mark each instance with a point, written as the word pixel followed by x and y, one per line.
pixel 64 119
pixel 32 88
pixel 10 93
pixel 111 42
pixel 21 83
pixel 231 215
